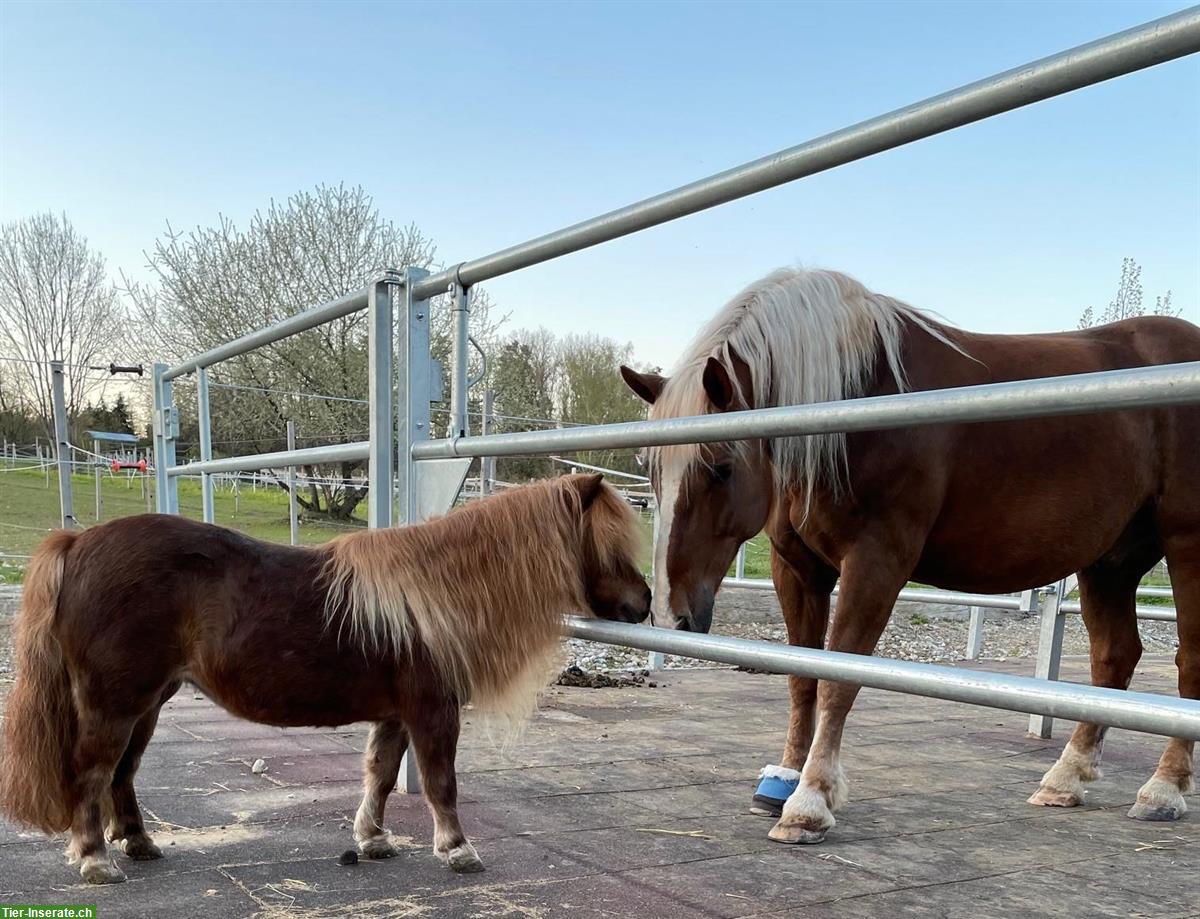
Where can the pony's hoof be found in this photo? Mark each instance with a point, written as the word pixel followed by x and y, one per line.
pixel 1160 813
pixel 1053 797
pixel 797 834
pixel 377 847
pixel 464 859
pixel 101 871
pixel 140 848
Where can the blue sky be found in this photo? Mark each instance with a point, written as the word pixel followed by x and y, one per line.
pixel 489 123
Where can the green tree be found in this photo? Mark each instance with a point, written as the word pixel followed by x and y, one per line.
pixel 523 383
pixel 591 391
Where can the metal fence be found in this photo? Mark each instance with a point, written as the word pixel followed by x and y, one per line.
pixel 403 380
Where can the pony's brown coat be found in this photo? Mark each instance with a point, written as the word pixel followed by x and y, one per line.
pixel 398 627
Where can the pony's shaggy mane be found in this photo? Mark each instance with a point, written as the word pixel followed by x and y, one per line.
pixel 806 336
pixel 481 590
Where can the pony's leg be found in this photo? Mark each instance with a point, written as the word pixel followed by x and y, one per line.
pixel 806 616
pixel 1161 798
pixel 100 744
pixel 435 739
pixel 381 765
pixel 868 593
pixel 125 823
pixel 1108 599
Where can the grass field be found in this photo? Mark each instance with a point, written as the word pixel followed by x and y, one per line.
pixel 29 509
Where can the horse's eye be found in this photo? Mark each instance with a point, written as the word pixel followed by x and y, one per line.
pixel 722 472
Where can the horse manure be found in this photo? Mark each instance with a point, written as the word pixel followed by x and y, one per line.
pixel 349 857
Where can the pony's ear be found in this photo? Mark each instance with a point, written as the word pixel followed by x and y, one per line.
pixel 717 384
pixel 648 386
pixel 588 486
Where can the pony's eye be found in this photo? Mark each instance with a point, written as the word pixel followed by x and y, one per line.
pixel 722 472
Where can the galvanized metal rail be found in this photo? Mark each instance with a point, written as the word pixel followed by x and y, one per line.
pixel 1170 384
pixel 1119 708
pixel 1134 49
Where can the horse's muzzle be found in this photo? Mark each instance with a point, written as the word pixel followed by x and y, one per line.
pixel 700 610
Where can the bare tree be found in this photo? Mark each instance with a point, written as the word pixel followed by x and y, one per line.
pixel 218 283
pixel 1128 302
pixel 56 302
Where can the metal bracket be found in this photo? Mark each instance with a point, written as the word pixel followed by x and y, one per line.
pixel 438 483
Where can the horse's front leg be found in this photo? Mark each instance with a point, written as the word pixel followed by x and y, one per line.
pixel 805 604
pixel 868 593
pixel 434 733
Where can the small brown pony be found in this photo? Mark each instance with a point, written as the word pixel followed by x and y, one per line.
pixel 399 627
pixel 992 507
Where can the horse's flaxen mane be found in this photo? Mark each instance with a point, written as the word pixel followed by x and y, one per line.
pixel 806 336
pixel 481 590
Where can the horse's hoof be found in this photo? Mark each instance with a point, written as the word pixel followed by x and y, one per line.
pixel 377 847
pixel 140 848
pixel 796 834
pixel 1053 797
pixel 101 871
pixel 1159 800
pixel 1160 813
pixel 464 859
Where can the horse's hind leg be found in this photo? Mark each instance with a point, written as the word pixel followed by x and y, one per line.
pixel 125 824
pixel 381 764
pixel 435 737
pixel 1161 798
pixel 99 747
pixel 1108 598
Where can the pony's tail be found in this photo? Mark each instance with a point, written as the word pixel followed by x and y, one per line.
pixel 40 723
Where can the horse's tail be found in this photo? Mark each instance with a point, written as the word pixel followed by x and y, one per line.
pixel 40 723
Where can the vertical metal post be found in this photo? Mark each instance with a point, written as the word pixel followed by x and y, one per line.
pixel 1049 653
pixel 1029 602
pixel 655 660
pixel 166 430
pixel 487 468
pixel 461 314
pixel 740 567
pixel 62 448
pixel 414 371
pixel 204 419
pixel 293 516
pixel 975 632
pixel 381 384
pixel 99 475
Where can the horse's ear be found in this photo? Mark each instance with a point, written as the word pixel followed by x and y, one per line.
pixel 717 384
pixel 588 486
pixel 648 386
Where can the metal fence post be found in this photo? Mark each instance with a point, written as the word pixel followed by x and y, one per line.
pixel 1049 653
pixel 414 371
pixel 293 517
pixel 62 449
pixel 166 429
pixel 487 464
pixel 655 659
pixel 461 313
pixel 381 386
pixel 975 632
pixel 204 420
pixel 99 470
pixel 740 567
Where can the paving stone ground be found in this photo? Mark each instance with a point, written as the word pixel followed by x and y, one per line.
pixel 633 802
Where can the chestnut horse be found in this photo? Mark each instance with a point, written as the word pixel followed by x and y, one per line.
pixel 399 627
pixel 992 507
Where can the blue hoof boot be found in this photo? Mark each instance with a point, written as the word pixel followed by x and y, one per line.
pixel 775 785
